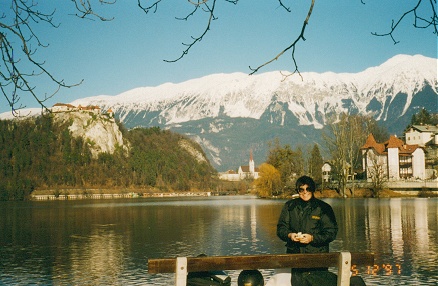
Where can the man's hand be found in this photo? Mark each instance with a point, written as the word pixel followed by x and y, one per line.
pixel 306 238
pixel 301 238
pixel 294 236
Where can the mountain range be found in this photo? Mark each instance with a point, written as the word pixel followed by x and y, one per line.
pixel 231 115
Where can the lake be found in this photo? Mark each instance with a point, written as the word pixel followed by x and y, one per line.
pixel 109 241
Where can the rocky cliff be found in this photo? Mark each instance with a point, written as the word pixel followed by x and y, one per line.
pixel 100 131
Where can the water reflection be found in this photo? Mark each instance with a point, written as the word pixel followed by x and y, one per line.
pixel 402 234
pixel 109 242
pixel 98 257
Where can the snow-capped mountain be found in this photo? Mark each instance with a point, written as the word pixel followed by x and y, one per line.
pixel 229 114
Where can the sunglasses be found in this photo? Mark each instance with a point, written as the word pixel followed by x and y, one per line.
pixel 302 190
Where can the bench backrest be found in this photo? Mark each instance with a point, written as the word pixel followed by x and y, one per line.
pixel 182 265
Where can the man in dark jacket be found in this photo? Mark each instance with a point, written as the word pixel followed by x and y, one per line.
pixel 307 225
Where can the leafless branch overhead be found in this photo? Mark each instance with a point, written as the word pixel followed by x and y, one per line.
pixel 420 21
pixel 20 41
pixel 291 46
pixel 19 44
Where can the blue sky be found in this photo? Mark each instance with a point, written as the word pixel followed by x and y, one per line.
pixel 128 52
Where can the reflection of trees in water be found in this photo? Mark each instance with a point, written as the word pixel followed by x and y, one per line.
pixel 396 230
pixel 98 257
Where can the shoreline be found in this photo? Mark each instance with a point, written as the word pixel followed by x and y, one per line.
pixel 52 197
pixel 114 193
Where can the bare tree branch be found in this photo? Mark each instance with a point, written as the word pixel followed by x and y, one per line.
pixel 19 41
pixel 198 6
pixel 189 15
pixel 282 5
pixel 292 46
pixel 197 3
pixel 85 8
pixel 148 8
pixel 207 9
pixel 420 22
pixel 19 44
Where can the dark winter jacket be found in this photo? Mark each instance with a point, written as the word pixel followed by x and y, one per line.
pixel 314 217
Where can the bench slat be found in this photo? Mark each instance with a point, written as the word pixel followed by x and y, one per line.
pixel 270 261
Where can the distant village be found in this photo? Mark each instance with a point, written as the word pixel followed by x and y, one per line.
pixel 415 158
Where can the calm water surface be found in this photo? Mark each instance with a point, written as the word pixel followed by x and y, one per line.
pixel 108 242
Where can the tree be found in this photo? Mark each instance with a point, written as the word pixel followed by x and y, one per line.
pixel 269 181
pixel 376 172
pixel 379 132
pixel 20 40
pixel 344 138
pixel 423 117
pixel 288 162
pixel 315 164
pixel 336 143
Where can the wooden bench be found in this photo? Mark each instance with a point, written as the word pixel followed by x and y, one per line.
pixel 182 265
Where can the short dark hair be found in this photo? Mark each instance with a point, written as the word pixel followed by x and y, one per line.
pixel 305 180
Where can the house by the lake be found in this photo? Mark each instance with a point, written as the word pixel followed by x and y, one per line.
pixel 326 172
pixel 425 136
pixel 395 159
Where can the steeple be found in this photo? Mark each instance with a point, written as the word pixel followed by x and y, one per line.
pixel 251 163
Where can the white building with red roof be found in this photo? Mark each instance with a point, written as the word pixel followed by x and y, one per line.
pixel 397 159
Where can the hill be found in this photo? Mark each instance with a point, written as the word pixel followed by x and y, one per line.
pixel 88 150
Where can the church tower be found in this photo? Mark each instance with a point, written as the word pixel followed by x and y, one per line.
pixel 251 163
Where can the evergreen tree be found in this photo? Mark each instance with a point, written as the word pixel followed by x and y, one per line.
pixel 315 164
pixel 423 117
pixel 288 162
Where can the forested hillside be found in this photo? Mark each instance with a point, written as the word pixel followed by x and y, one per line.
pixel 41 153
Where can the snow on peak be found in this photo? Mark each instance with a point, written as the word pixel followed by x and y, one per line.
pixel 241 95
